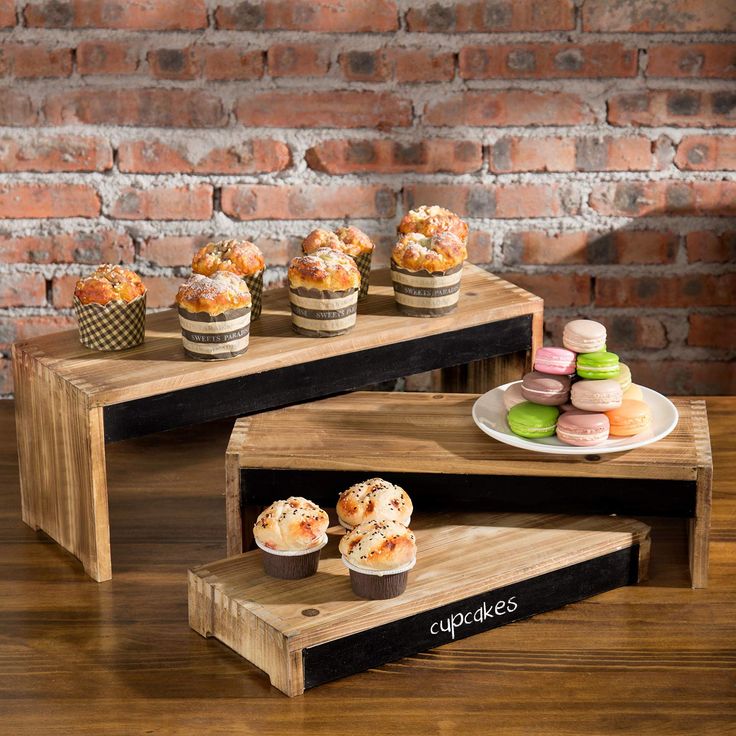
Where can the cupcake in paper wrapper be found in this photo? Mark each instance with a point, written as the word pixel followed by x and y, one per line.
pixel 323 293
pixel 379 555
pixel 291 534
pixel 349 240
pixel 374 498
pixel 110 305
pixel 426 272
pixel 214 315
pixel 240 257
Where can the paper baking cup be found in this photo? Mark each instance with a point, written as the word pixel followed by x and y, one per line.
pixel 215 337
pixel 349 527
pixel 424 293
pixel 316 313
pixel 363 262
pixel 378 585
pixel 291 564
pixel 255 286
pixel 114 326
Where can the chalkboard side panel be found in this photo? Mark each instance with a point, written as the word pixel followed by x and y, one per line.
pixel 429 629
pixel 307 381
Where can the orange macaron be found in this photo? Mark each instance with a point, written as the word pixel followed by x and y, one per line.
pixel 630 418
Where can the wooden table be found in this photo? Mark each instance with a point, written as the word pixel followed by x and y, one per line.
pixel 71 400
pixel 119 658
pixel 429 444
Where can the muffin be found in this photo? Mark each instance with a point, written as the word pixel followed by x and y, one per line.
pixel 349 240
pixel 379 555
pixel 373 499
pixel 214 314
pixel 110 305
pixel 291 533
pixel 431 220
pixel 240 257
pixel 426 273
pixel 323 292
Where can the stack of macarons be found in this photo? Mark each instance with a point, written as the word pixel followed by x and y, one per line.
pixel 580 392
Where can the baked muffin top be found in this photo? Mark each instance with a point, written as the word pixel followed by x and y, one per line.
pixel 379 545
pixel 293 524
pixel 375 498
pixel 324 269
pixel 217 294
pixel 349 240
pixel 109 283
pixel 440 252
pixel 430 220
pixel 240 257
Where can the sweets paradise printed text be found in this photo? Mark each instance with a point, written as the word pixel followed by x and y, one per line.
pixel 464 618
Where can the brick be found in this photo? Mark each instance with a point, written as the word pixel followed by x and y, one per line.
pixel 699 61
pixel 15 328
pixel 328 16
pixel 706 153
pixel 173 63
pixel 391 157
pixel 134 15
pixel 405 65
pixel 685 378
pixel 6 377
pixel 19 201
pixel 486 201
pixel 547 61
pixel 557 289
pixel 712 331
pixel 100 246
pixel 641 199
pixel 679 107
pixel 329 109
pixel 107 57
pixel 689 290
pixel 266 202
pixel 22 290
pixel 16 109
pixel 534 248
pixel 280 251
pixel 164 203
pixel 298 60
pixel 166 108
pixel 161 290
pixel 57 153
pixel 500 16
pixel 33 61
pixel 508 107
pixel 230 63
pixel 709 247
pixel 653 16
pixel 245 157
pixel 480 247
pixel 625 331
pixel 7 13
pixel 172 251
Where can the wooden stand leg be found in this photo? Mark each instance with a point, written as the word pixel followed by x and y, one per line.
pixel 233 519
pixel 699 529
pixel 61 451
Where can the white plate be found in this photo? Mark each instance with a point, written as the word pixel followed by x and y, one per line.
pixel 489 414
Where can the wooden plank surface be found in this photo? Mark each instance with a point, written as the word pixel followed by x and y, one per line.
pixel 159 365
pixel 119 658
pixel 404 432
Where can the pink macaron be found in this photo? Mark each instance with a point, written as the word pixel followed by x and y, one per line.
pixel 545 388
pixel 582 428
pixel 592 395
pixel 558 361
pixel 584 336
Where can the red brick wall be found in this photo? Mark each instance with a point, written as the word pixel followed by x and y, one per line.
pixel 589 143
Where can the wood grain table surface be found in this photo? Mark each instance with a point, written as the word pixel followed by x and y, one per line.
pixel 119 658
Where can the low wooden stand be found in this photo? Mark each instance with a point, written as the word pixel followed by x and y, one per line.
pixel 429 444
pixel 70 400
pixel 474 572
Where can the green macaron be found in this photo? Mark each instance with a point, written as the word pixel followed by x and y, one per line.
pixel 597 365
pixel 533 420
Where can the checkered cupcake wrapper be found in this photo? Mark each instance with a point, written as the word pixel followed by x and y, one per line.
pixel 255 286
pixel 363 262
pixel 114 326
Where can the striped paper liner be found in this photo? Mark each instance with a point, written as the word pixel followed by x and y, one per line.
pixel 317 313
pixel 424 293
pixel 215 337
pixel 363 262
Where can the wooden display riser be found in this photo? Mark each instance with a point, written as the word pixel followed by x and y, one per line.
pixel 70 400
pixel 474 572
pixel 429 444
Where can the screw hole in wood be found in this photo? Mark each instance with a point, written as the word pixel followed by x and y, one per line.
pixel 310 612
